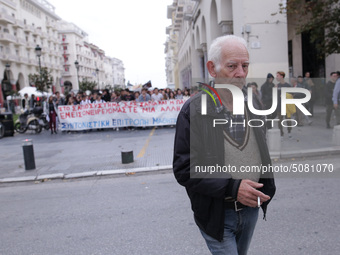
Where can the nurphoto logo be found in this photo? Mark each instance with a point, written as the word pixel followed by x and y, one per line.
pixel 238 104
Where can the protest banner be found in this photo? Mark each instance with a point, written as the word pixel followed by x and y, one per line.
pixel 122 114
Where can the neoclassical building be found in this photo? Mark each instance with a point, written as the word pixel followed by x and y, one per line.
pixel 24 24
pixel 271 37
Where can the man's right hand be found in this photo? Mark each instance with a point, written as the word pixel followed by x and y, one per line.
pixel 248 193
pixel 335 106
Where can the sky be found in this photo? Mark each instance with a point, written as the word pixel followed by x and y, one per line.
pixel 130 30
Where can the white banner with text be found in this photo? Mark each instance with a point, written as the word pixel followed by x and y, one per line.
pixel 122 114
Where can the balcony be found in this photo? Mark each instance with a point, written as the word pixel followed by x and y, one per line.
pixel 6 37
pixel 43 34
pixel 20 41
pixel 18 23
pixel 28 28
pixel 5 18
pixel 50 24
pixel 33 62
pixel 23 60
pixel 30 45
pixel 36 31
pixel 13 58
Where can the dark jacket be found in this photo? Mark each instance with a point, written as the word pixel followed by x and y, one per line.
pixel 267 94
pixel 329 92
pixel 207 195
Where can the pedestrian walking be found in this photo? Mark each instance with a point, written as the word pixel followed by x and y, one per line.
pixel 225 206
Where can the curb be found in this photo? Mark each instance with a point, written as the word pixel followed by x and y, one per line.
pixel 84 174
pixel 274 155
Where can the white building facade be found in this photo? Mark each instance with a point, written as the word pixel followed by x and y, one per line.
pixel 24 24
pixel 271 36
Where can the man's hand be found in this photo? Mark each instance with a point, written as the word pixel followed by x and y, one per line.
pixel 248 193
pixel 335 106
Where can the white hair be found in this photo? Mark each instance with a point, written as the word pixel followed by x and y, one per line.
pixel 215 49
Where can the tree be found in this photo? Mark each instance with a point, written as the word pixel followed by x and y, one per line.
pixel 42 82
pixel 319 17
pixel 87 85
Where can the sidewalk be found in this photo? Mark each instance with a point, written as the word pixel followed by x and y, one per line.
pixel 98 153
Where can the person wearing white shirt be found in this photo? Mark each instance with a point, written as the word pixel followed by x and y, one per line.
pixel 156 96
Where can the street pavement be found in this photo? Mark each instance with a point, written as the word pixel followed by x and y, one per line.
pixel 150 214
pixel 98 153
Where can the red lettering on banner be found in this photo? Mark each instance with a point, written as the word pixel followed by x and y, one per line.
pixel 162 102
pixel 179 101
pixel 62 115
pixel 148 109
pixel 172 102
pixel 170 109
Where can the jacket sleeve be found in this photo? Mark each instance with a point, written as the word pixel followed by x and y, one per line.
pixel 186 157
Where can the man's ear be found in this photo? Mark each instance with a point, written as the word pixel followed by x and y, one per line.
pixel 211 68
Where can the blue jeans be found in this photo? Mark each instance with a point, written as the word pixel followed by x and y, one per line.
pixel 238 231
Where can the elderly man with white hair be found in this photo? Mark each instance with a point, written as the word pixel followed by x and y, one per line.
pixel 225 203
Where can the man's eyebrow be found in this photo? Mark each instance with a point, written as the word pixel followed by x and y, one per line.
pixel 235 62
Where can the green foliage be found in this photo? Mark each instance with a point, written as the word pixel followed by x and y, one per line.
pixel 87 85
pixel 42 82
pixel 321 18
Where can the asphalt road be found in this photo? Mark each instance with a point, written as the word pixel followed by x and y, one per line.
pixel 150 214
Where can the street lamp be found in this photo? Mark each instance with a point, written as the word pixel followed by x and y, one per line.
pixel 97 71
pixel 77 67
pixel 38 53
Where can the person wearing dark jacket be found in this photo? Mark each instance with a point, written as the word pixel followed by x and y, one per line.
pixel 267 96
pixel 328 97
pixel 221 201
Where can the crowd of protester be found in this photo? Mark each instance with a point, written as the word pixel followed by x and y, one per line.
pixel 145 95
pixel 262 94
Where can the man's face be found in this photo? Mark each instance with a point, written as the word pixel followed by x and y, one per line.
pixel 279 77
pixel 155 91
pixel 234 64
pixel 334 77
pixel 300 79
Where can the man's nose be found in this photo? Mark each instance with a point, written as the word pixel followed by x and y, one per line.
pixel 240 72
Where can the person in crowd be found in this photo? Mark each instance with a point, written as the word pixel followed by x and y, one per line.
pixel 126 95
pixel 280 77
pixel 226 205
pixel 328 97
pixel 79 97
pixel 136 95
pixel 106 95
pixel 84 100
pixel 256 92
pixel 267 97
pixel 71 101
pixel 179 94
pixel 25 102
pixel 300 116
pixel 50 109
pixel 336 98
pixel 58 99
pixel 156 96
pixel 115 97
pixel 310 84
pixel 167 91
pixel 172 95
pixel 98 98
pixel 32 102
pixel 267 92
pixel 144 97
pixel 186 94
pixel 165 95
